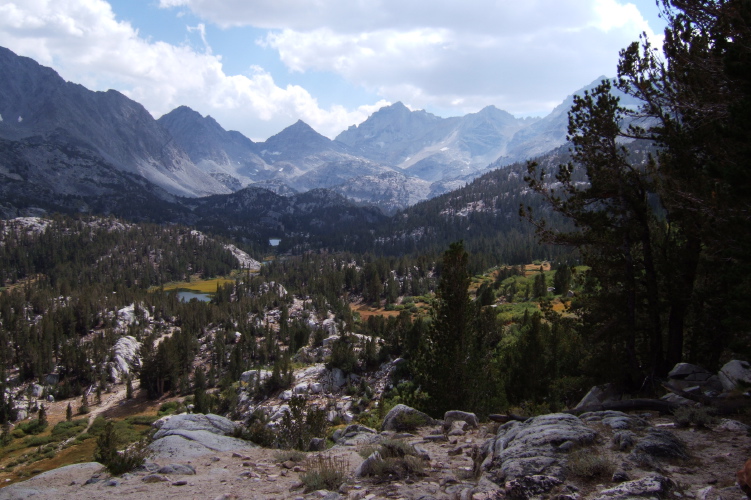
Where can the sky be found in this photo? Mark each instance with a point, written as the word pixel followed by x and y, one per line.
pixel 258 66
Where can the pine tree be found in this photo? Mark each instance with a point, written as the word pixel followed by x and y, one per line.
pixel 68 413
pixel 453 363
pixel 84 408
pixel 200 401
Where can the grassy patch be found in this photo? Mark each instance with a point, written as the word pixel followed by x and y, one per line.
pixel 324 473
pixel 586 464
pixel 200 285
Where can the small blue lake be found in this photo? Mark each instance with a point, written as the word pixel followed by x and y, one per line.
pixel 274 242
pixel 186 296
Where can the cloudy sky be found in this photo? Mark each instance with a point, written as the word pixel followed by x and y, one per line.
pixel 258 66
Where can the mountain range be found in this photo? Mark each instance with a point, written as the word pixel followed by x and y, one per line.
pixel 64 147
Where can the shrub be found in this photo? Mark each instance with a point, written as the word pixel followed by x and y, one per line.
pixel 169 408
pixel 118 462
pixel 586 464
pixel 289 456
pixel 300 424
pixel 398 459
pixel 408 422
pixel 324 473
pixel 700 417
pixel 33 427
pixel 257 431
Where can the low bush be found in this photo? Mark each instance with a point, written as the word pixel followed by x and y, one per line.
pixel 700 417
pixel 586 464
pixel 33 427
pixel 398 459
pixel 118 462
pixel 289 456
pixel 324 472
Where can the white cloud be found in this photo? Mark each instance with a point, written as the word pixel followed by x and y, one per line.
pixel 520 56
pixel 85 43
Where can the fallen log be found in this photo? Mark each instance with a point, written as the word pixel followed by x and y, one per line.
pixel 721 405
pixel 497 417
pixel 664 407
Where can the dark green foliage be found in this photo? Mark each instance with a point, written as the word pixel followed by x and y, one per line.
pixel 343 355
pixel 453 363
pixel 562 279
pixel 33 427
pixel 107 454
pixel 200 399
pixel 300 424
pixel 665 235
pixel 258 431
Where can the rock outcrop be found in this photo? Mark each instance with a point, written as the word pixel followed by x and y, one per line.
pixel 193 435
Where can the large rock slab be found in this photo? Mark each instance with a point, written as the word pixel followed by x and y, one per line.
pixel 650 487
pixel 735 372
pixel 192 435
pixel 40 485
pixel 403 418
pixel 194 422
pixel 686 376
pixel 125 358
pixel 616 420
pixel 537 446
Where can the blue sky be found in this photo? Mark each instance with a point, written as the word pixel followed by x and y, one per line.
pixel 258 66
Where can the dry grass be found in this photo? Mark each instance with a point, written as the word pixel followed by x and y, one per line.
pixel 589 465
pixel 324 473
pixel 199 285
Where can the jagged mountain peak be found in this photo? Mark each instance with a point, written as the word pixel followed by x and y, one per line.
pixel 118 130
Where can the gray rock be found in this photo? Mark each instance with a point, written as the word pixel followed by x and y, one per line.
pixel 112 482
pixel 598 395
pixel 36 390
pixel 733 372
pixel 619 476
pixel 277 415
pixel 403 415
pixel 252 375
pixel 624 440
pixel 189 444
pixel 355 435
pixel 40 484
pixel 192 435
pixel 317 444
pixel 655 486
pixel 334 379
pixel 184 469
pixel 532 447
pixel 195 422
pixel 51 379
pixel 148 466
pixel 614 419
pixel 368 466
pixel 685 376
pixel 154 478
pixel 732 426
pixel 660 443
pixel 125 358
pixel 453 415
pixel 458 428
pixel 526 487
